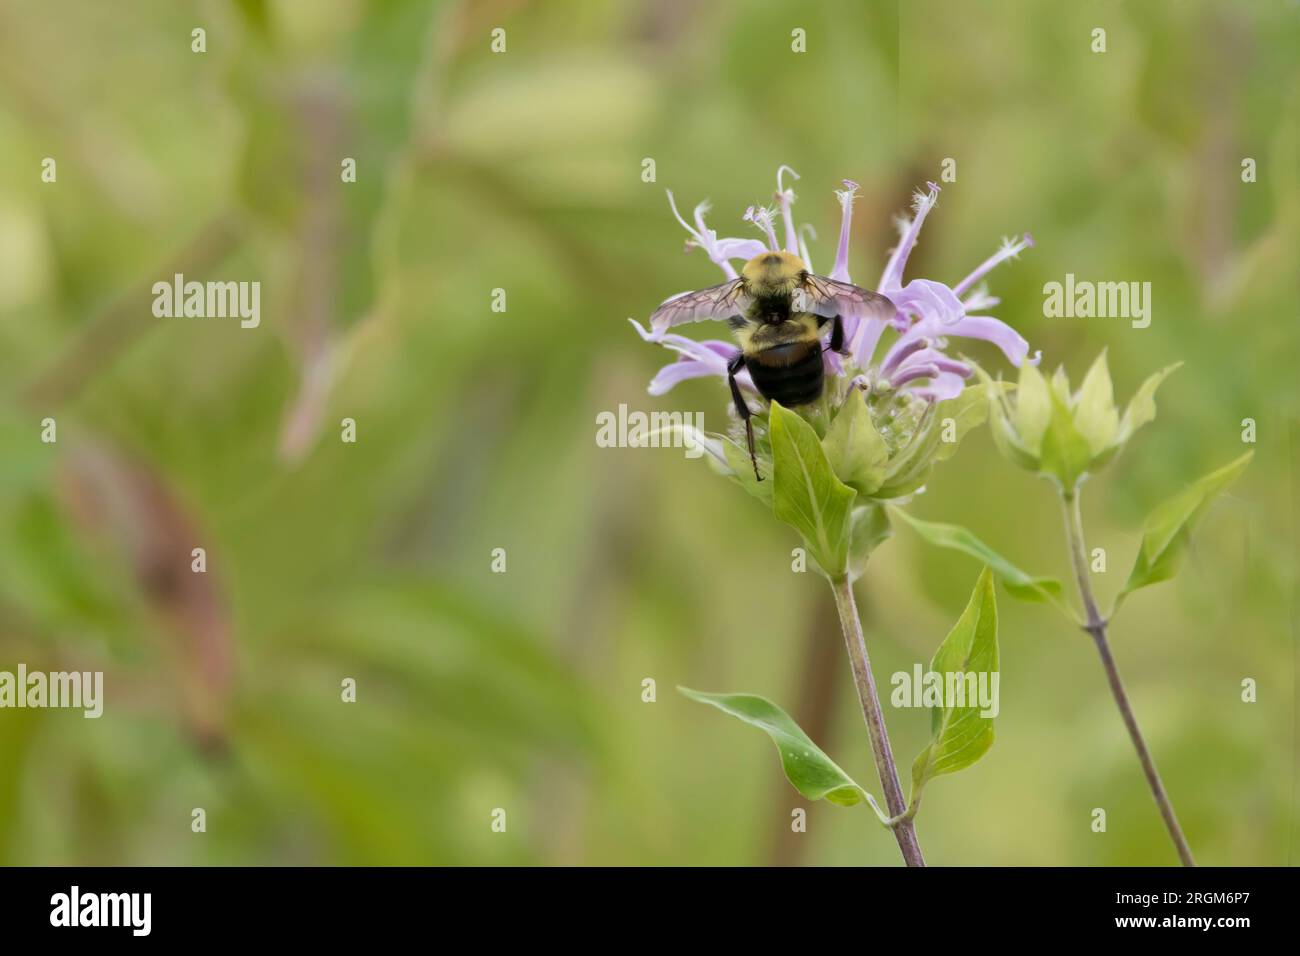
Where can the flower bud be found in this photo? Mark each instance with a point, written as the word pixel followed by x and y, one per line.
pixel 1044 427
pixel 895 438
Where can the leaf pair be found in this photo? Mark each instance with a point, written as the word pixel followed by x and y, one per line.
pixel 1169 528
pixel 1164 541
pixel 962 730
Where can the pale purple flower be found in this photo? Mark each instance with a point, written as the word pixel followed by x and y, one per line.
pixel 786 198
pixel 846 197
pixel 695 360
pixel 721 251
pixel 928 313
pixel 761 217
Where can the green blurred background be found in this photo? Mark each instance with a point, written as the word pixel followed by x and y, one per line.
pixel 476 429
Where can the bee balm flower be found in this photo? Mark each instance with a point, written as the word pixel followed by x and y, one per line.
pixel 900 383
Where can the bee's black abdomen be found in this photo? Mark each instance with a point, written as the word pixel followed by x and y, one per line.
pixel 791 374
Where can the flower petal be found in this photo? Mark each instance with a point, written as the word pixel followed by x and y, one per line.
pixel 846 196
pixel 904 347
pixel 933 303
pixel 697 359
pixel 1011 342
pixel 892 278
pixel 720 251
pixel 786 199
pixel 933 359
pixel 676 372
pixel 912 373
pixel 738 249
pixel 803 244
pixel 864 339
pixel 942 387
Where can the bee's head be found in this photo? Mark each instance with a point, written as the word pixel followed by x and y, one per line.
pixel 773 273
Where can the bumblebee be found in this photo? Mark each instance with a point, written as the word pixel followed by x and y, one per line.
pixel 779 312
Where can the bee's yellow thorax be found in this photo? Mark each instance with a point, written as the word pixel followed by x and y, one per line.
pixel 773 273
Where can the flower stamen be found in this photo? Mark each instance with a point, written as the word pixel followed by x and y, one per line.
pixel 786 198
pixel 922 203
pixel 806 229
pixel 1010 249
pixel 846 196
pixel 761 217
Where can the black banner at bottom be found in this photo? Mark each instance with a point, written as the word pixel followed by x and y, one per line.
pixel 367 905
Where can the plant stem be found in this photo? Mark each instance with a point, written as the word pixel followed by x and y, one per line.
pixel 904 831
pixel 1096 626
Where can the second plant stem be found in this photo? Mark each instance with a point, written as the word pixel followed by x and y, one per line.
pixel 1096 626
pixel 904 831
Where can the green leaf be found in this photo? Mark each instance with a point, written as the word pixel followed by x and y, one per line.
pixel 1018 583
pixel 937 439
pixel 813 773
pixel 1170 526
pixel 806 493
pixel 856 451
pixel 1141 410
pixel 968 410
pixel 911 465
pixel 1142 407
pixel 742 469
pixel 1066 455
pixel 902 486
pixel 1006 438
pixel 1033 409
pixel 870 528
pixel 1095 416
pixel 962 734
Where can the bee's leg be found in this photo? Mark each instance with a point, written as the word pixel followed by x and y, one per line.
pixel 743 409
pixel 837 335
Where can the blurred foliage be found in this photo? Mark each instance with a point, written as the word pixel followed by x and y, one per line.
pixel 476 429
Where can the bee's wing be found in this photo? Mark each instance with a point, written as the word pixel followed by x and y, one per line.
pixel 830 297
pixel 716 302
